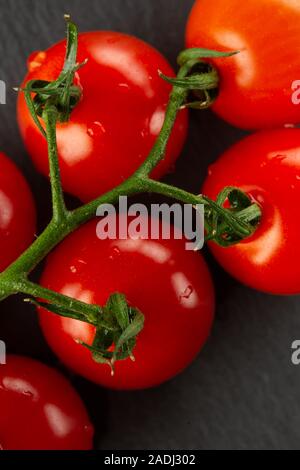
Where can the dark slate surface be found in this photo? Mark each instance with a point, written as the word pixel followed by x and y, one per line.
pixel 243 391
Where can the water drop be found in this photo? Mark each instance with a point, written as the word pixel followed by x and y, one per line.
pixel 280 157
pixel 187 293
pixel 125 86
pixel 96 129
pixel 73 269
pixel 115 253
pixel 27 393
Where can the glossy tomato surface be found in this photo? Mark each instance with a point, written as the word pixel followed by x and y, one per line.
pixel 39 409
pixel 170 285
pixel 256 84
pixel 115 125
pixel 17 212
pixel 267 166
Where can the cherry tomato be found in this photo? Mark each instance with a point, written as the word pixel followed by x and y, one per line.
pixel 39 410
pixel 266 165
pixel 115 125
pixel 17 213
pixel 169 284
pixel 256 84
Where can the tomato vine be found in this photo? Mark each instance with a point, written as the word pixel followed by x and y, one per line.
pixel 51 103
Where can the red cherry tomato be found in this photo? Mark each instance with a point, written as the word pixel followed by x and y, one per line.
pixel 169 284
pixel 267 166
pixel 17 213
pixel 115 125
pixel 39 410
pixel 256 84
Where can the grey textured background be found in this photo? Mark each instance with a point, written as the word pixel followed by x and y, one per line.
pixel 242 392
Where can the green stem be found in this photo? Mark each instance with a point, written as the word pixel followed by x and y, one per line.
pixel 50 116
pixel 177 99
pixel 88 313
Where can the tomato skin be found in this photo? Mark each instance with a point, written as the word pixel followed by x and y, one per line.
pixel 256 84
pixel 267 166
pixel 17 212
pixel 170 285
pixel 39 409
pixel 113 128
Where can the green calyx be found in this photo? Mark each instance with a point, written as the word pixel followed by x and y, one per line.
pixel 61 93
pixel 202 78
pixel 226 230
pixel 116 331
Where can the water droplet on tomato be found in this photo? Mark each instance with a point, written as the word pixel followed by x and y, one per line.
pixel 96 129
pixel 187 293
pixel 73 269
pixel 27 393
pixel 125 86
pixel 279 158
pixel 115 253
pixel 81 261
